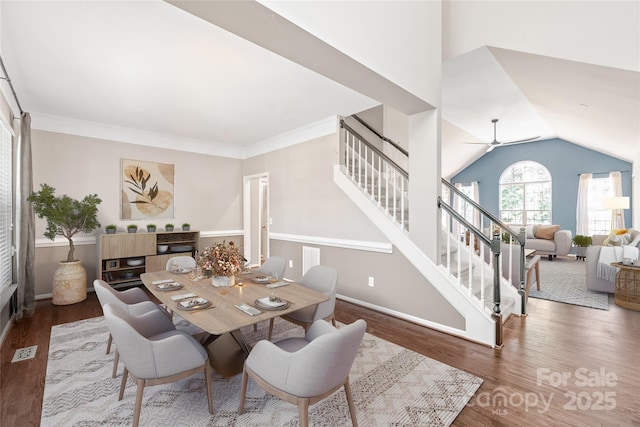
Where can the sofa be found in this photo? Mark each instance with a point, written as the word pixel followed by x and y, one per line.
pixel 594 282
pixel 548 240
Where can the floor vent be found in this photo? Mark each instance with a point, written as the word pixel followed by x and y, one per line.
pixel 24 353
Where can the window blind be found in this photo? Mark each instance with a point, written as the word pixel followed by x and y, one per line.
pixel 6 202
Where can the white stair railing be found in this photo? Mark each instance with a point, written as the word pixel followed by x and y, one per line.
pixel 383 180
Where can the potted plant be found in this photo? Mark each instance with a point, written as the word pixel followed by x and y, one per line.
pixel 186 226
pixel 66 217
pixel 582 242
pixel 132 228
pixel 151 228
pixel 168 227
pixel 111 229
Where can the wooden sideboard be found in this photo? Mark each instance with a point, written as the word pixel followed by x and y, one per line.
pixel 123 257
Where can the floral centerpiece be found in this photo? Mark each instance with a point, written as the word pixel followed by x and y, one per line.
pixel 222 259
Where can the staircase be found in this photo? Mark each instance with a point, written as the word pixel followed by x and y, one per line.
pixel 468 272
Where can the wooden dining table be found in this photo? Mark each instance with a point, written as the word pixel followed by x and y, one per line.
pixel 222 319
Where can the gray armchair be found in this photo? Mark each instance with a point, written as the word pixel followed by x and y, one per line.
pixel 274 266
pixel 182 262
pixel 322 279
pixel 303 371
pixel 134 301
pixel 153 356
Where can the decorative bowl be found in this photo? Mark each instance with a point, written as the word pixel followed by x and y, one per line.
pixel 135 262
pixel 163 248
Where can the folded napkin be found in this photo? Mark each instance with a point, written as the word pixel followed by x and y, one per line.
pixel 193 302
pixel 268 303
pixel 168 285
pixel 157 282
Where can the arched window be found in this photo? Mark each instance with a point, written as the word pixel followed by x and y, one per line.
pixel 525 194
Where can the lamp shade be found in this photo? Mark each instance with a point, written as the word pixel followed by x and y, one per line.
pixel 616 203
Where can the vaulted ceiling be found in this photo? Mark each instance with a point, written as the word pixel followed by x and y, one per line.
pixel 149 72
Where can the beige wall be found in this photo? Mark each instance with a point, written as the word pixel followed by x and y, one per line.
pixel 305 201
pixel 398 286
pixel 303 197
pixel 207 188
pixel 207 191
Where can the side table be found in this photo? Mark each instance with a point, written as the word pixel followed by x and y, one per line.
pixel 628 286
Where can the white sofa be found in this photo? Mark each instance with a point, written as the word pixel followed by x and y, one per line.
pixel 594 282
pixel 548 240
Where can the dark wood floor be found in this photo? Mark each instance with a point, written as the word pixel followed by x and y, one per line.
pixel 598 352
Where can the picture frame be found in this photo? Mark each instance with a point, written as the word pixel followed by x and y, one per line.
pixel 147 190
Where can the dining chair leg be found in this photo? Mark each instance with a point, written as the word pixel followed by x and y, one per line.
pixel 303 411
pixel 116 358
pixel 109 341
pixel 123 383
pixel 352 408
pixel 138 407
pixel 270 329
pixel 243 390
pixel 207 379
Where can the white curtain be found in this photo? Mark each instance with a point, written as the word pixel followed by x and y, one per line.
pixel 582 208
pixel 616 187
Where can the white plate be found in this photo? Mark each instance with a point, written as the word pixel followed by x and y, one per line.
pixel 168 286
pixel 194 304
pixel 265 304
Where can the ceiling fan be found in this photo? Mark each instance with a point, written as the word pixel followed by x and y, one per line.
pixel 495 143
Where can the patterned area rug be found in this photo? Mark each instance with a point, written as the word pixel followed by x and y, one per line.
pixel 564 280
pixel 391 386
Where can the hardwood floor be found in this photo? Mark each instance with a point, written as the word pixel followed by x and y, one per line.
pixel 561 365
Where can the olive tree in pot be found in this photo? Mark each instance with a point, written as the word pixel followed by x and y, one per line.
pixel 66 217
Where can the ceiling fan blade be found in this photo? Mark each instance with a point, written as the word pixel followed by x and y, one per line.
pixel 518 141
pixel 479 143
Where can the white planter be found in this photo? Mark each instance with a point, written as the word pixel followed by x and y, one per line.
pixel 223 281
pixel 69 283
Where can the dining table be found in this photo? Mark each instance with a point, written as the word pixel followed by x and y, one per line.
pixel 223 311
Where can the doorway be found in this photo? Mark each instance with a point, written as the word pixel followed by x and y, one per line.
pixel 256 218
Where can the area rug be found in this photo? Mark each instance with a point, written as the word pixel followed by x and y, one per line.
pixel 564 280
pixel 391 386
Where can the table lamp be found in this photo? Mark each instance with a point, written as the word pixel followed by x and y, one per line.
pixel 616 204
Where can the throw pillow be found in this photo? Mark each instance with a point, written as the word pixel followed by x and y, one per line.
pixel 616 238
pixel 529 230
pixel 546 231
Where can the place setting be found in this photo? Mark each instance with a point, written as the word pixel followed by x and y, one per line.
pixel 271 303
pixel 192 304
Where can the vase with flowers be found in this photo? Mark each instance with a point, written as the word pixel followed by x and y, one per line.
pixel 224 260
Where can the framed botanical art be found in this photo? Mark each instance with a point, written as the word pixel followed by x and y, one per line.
pixel 146 190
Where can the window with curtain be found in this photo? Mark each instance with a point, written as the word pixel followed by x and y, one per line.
pixel 6 206
pixel 592 217
pixel 525 194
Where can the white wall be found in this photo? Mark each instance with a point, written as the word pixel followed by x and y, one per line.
pixel 548 28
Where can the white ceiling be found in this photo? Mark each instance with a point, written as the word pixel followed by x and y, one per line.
pixel 148 72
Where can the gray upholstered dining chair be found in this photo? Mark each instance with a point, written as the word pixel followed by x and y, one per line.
pixel 273 266
pixel 154 355
pixel 134 301
pixel 323 279
pixel 181 261
pixel 304 371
